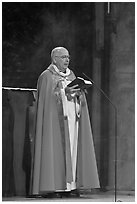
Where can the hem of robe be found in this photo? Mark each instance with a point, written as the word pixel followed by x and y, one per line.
pixel 70 187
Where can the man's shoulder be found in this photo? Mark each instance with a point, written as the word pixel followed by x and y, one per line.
pixel 45 73
pixel 71 72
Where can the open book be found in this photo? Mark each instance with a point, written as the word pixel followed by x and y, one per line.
pixel 82 83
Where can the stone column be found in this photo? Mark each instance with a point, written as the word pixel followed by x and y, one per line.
pixel 121 89
pixel 96 76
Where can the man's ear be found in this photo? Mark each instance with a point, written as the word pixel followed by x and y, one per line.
pixel 54 61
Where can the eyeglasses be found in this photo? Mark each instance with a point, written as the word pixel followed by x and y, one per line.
pixel 63 56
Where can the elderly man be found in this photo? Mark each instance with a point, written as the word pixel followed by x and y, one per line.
pixel 64 158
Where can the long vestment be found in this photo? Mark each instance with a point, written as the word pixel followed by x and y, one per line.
pixel 59 159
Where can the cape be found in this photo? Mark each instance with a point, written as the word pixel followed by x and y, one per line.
pixel 52 162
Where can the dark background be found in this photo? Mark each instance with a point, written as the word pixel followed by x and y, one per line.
pixel 32 30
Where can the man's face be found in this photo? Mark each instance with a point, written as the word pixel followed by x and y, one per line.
pixel 61 59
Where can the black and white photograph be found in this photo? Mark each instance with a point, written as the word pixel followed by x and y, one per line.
pixel 68 101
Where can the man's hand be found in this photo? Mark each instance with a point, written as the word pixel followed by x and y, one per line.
pixel 71 90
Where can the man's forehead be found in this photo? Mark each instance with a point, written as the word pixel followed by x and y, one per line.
pixel 61 51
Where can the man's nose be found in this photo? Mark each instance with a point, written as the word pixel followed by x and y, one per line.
pixel 67 59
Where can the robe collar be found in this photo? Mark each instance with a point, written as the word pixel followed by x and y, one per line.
pixel 61 73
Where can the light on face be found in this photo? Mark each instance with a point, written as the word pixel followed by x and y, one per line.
pixel 64 57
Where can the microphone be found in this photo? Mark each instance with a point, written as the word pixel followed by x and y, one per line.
pixel 99 89
pixel 115 109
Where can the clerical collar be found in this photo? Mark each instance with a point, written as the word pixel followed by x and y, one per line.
pixel 61 73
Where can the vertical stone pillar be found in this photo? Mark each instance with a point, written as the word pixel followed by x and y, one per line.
pixel 96 76
pixel 122 82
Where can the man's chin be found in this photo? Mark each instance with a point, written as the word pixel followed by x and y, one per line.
pixel 65 67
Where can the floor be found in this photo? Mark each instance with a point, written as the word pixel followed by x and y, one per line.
pixel 84 197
